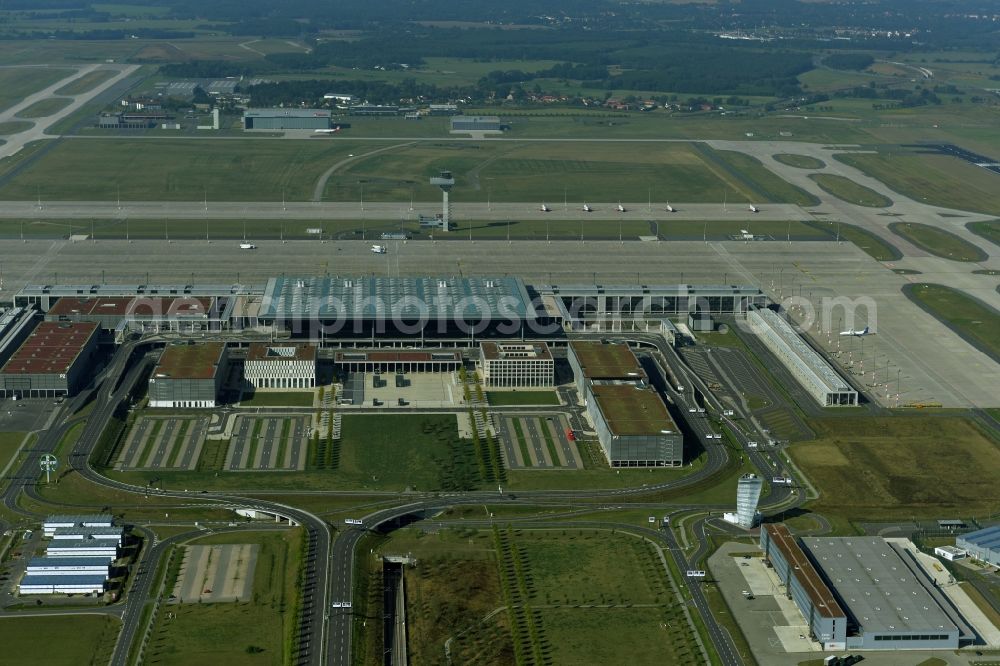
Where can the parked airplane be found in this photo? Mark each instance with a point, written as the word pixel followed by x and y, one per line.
pixel 754 209
pixel 621 208
pixel 379 249
pixel 247 246
pixel 857 334
pixel 587 208
pixel 671 209
pixel 327 131
pixel 545 208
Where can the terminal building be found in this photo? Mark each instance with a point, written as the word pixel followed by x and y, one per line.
pixel 398 361
pixel 516 364
pixel 811 370
pixel 632 422
pixel 863 593
pixel 286 119
pixel 53 360
pixel 188 375
pixel 150 314
pixel 982 545
pixel 280 366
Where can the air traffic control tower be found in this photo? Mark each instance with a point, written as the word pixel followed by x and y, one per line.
pixel 445 181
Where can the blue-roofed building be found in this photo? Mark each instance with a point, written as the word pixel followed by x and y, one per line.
pixel 982 545
pixel 48 584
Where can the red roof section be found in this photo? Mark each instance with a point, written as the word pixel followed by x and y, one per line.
pixel 51 349
pixel 142 306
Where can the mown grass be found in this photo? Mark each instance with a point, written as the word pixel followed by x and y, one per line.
pixel 87 82
pixel 990 230
pixel 799 161
pixel 522 397
pixel 45 107
pixel 849 191
pixel 762 183
pixel 938 242
pixel 65 640
pixel 866 241
pixel 976 322
pixel 17 83
pixel 278 399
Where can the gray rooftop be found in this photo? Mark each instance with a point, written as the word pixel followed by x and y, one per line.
pixel 650 289
pixel 68 562
pixel 287 113
pixel 876 586
pixel 988 537
pixel 84 543
pixel 62 581
pixel 808 360
pixel 79 519
pixel 358 297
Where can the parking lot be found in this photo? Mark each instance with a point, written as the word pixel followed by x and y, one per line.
pixel 212 574
pixel 163 442
pixel 262 443
pixel 538 442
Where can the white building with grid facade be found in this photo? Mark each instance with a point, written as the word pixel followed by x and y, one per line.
pixel 280 366
pixel 516 364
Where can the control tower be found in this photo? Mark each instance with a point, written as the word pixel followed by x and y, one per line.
pixel 747 494
pixel 445 181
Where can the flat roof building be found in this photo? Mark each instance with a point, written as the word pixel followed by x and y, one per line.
pixel 52 360
pixel 84 533
pixel 286 119
pixel 67 566
pixel 57 521
pixel 634 427
pixel 151 313
pixel 476 124
pixel 398 361
pixel 811 370
pixel 516 364
pixel 826 619
pixel 599 361
pixel 86 548
pixel 50 584
pixel 890 602
pixel 278 366
pixel 188 375
pixel 982 545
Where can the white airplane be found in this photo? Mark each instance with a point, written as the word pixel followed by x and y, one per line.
pixel 621 208
pixel 671 209
pixel 247 246
pixel 587 208
pixel 754 209
pixel 327 131
pixel 545 208
pixel 857 334
pixel 379 249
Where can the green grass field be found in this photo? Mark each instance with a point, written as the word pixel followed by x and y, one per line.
pixel 16 83
pixel 973 320
pixel 218 633
pixel 45 107
pixel 892 467
pixel 989 230
pixel 940 180
pixel 278 399
pixel 522 397
pixel 86 82
pixel 938 242
pixel 66 640
pixel 761 184
pixel 868 242
pixel 848 190
pixel 14 126
pixel 800 161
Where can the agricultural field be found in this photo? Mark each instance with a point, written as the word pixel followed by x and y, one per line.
pixel 16 83
pixel 973 320
pixel 848 190
pixel 938 242
pixel 66 640
pixel 892 467
pixel 940 180
pixel 214 633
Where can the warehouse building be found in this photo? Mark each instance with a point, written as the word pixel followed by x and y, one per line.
pixel 810 369
pixel 16 324
pixel 280 366
pixel 803 585
pixel 50 584
pixel 476 124
pixel 84 533
pixel 53 360
pixel 286 119
pixel 60 521
pixel 633 425
pixel 366 307
pixel 516 364
pixel 890 602
pixel 982 545
pixel 106 548
pixel 398 361
pixel 67 566
pixel 188 375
